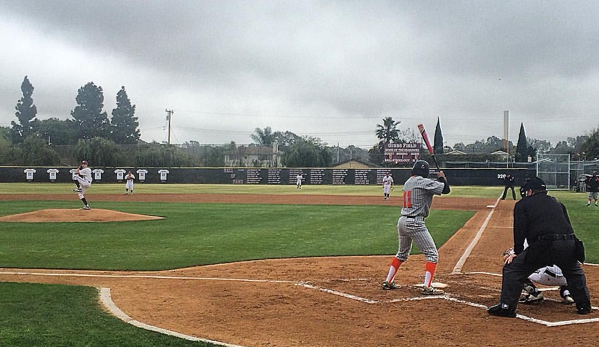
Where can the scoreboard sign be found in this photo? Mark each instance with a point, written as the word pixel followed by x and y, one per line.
pixel 401 153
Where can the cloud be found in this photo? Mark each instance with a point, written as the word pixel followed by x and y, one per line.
pixel 329 69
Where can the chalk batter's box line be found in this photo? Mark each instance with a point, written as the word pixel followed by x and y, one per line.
pixel 451 299
pixel 306 285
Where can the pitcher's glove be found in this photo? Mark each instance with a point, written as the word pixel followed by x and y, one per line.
pixel 508 255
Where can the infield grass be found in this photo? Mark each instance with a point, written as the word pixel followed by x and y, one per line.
pixel 199 234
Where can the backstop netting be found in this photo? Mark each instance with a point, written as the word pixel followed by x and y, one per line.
pixel 554 169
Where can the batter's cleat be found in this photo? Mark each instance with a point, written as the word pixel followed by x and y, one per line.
pixel 389 285
pixel 583 308
pixel 86 207
pixel 502 310
pixel 77 190
pixel 568 299
pixel 531 298
pixel 432 291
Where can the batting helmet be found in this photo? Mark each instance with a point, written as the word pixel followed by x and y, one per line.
pixel 421 168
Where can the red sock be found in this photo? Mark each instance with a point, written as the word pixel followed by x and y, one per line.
pixel 429 273
pixel 395 264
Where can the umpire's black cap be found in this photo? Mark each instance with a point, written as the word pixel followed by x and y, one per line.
pixel 536 184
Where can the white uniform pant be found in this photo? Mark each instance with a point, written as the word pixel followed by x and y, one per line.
pixel 83 185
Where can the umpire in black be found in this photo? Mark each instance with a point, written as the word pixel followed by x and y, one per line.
pixel 543 222
pixel 508 182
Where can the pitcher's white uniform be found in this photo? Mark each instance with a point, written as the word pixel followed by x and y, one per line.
pixel 85 180
pixel 83 176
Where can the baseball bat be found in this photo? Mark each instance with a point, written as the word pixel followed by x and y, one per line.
pixel 428 144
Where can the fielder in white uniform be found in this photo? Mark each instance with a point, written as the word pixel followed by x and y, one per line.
pixel 129 185
pixel 387 185
pixel 298 181
pixel 83 180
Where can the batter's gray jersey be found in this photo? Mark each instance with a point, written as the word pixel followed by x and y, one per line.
pixel 417 199
pixel 418 195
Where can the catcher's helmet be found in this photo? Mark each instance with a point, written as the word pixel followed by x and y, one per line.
pixel 421 168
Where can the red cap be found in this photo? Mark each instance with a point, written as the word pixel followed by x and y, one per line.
pixel 84 162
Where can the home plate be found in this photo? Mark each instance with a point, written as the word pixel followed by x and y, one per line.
pixel 434 285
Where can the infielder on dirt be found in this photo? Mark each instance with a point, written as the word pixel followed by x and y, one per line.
pixel 83 180
pixel 387 184
pixel 129 185
pixel 418 192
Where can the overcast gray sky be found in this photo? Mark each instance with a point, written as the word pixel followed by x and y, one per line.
pixel 326 69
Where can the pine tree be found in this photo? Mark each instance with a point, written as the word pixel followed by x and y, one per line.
pixel 26 112
pixel 89 119
pixel 522 149
pixel 124 128
pixel 438 143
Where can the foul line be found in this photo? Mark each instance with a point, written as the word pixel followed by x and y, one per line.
pixel 458 267
pixel 106 299
pixel 142 277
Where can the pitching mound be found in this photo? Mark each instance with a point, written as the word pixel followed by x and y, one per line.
pixel 69 215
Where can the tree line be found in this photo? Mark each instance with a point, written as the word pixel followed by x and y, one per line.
pixel 116 141
pixel 583 147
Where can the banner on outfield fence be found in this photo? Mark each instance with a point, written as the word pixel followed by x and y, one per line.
pixel 401 153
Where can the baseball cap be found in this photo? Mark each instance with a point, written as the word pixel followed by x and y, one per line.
pixel 535 184
pixel 84 162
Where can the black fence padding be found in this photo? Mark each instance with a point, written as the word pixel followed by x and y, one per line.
pixel 276 176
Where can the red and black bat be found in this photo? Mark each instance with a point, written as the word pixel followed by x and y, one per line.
pixel 428 144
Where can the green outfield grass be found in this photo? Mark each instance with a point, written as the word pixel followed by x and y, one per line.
pixel 140 188
pixel 193 234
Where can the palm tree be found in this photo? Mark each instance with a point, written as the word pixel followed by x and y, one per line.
pixel 263 137
pixel 388 132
